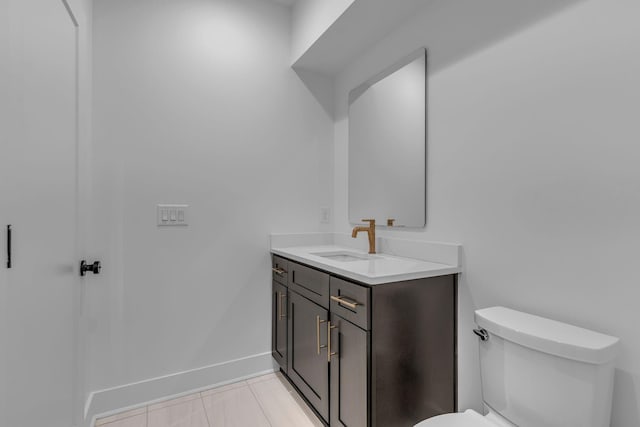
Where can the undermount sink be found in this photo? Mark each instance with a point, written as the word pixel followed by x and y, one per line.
pixel 344 256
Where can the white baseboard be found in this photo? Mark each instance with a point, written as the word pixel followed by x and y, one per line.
pixel 113 400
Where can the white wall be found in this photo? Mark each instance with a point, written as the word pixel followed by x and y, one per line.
pixel 195 103
pixel 310 19
pixel 532 166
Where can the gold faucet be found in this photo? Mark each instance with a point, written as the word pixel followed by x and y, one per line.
pixel 371 232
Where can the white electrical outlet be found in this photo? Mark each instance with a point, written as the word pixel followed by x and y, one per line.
pixel 172 215
pixel 325 215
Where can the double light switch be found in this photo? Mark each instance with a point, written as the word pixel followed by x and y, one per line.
pixel 172 215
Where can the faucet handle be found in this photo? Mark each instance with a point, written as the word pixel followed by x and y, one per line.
pixel 372 222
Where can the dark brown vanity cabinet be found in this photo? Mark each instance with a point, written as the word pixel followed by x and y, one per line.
pixel 369 356
pixel 349 380
pixel 279 306
pixel 308 368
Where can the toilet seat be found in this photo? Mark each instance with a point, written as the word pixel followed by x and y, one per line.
pixel 468 418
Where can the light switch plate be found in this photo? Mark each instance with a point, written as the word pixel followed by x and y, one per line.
pixel 172 215
pixel 325 215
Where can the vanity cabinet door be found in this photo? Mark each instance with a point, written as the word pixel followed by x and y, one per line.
pixel 279 304
pixel 308 367
pixel 349 374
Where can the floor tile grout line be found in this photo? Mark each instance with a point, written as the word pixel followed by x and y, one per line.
pixel 173 404
pixel 204 408
pixel 266 416
pixel 297 401
pixel 199 395
pixel 300 403
pixel 261 378
pixel 217 390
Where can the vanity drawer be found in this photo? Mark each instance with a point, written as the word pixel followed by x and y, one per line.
pixel 309 283
pixel 279 269
pixel 350 301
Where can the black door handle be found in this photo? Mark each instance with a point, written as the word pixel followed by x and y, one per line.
pixel 93 268
pixel 8 246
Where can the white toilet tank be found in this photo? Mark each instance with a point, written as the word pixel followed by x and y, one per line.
pixel 538 372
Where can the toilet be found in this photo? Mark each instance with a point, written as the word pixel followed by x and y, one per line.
pixel 538 372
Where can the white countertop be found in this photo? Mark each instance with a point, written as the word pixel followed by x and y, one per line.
pixel 373 269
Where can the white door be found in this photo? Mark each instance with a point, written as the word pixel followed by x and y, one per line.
pixel 39 294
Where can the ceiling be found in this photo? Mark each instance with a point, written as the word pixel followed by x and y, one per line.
pixel 287 2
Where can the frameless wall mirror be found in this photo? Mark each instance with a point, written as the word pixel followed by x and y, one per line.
pixel 387 145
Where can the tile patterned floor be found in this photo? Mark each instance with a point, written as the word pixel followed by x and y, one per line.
pixel 265 401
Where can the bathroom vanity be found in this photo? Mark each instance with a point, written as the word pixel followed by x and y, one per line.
pixel 369 337
pixel 368 340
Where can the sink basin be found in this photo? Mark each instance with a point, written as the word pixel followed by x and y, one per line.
pixel 344 256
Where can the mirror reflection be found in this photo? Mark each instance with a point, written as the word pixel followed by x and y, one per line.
pixel 387 145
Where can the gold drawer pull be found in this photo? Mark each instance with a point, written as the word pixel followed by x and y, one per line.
pixel 280 313
pixel 349 303
pixel 279 271
pixel 318 321
pixel 329 353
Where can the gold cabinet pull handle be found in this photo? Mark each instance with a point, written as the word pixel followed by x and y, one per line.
pixel 349 303
pixel 278 271
pixel 279 305
pixel 318 321
pixel 329 353
pixel 280 313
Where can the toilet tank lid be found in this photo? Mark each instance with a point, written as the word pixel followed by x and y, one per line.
pixel 548 336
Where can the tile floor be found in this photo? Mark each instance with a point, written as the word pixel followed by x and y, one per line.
pixel 265 401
